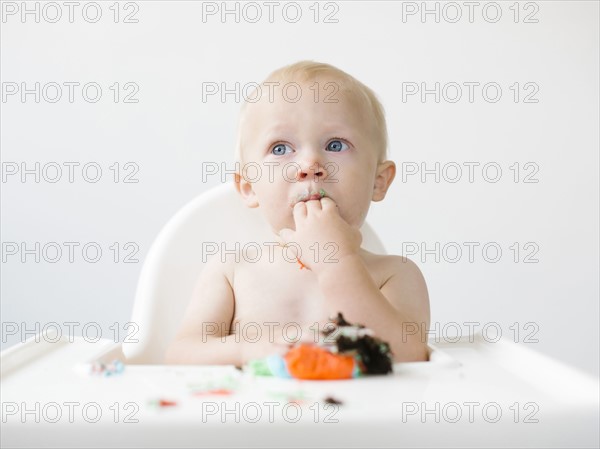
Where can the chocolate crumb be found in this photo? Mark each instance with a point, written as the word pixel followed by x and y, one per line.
pixel 340 321
pixel 331 400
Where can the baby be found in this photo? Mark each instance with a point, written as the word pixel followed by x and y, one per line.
pixel 320 138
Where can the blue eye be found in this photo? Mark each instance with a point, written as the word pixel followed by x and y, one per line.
pixel 337 146
pixel 279 149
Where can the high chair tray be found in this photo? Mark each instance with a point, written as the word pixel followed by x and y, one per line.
pixel 470 394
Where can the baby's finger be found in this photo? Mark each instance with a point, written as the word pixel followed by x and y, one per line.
pixel 313 206
pixel 299 210
pixel 328 204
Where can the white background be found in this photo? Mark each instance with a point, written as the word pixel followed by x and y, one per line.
pixel 170 132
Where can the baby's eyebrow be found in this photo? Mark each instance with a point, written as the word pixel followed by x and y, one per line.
pixel 276 129
pixel 328 130
pixel 271 135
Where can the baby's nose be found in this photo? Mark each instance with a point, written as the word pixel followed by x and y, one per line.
pixel 315 171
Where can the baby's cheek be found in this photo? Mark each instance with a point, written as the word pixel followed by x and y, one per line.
pixel 354 216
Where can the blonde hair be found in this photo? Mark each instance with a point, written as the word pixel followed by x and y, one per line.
pixel 307 70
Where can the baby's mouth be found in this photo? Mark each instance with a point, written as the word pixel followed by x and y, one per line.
pixel 308 195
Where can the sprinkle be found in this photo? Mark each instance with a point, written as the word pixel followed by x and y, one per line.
pixel 165 403
pixel 216 392
pixel 297 397
pixel 302 265
pixel 224 386
pixel 108 369
pixel 258 367
pixel 162 403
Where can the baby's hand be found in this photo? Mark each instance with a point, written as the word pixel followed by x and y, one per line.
pixel 321 233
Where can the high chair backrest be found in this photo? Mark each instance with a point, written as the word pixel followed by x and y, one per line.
pixel 214 219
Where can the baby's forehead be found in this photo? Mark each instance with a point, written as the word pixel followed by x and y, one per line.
pixel 326 91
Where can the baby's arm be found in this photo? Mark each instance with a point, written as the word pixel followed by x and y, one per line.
pixel 390 310
pixel 207 319
pixel 394 312
pixel 203 337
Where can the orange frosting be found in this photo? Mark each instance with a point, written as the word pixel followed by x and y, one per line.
pixel 315 363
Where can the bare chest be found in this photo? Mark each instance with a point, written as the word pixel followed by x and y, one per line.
pixel 277 291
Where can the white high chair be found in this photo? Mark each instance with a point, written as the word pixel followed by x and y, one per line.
pixel 175 260
pixel 535 401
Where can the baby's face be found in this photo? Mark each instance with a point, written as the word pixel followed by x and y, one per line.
pixel 308 147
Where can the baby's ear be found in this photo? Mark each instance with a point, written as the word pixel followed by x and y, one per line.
pixel 245 189
pixel 386 172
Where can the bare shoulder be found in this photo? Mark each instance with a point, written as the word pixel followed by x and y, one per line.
pixel 219 266
pixel 389 265
pixel 402 283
